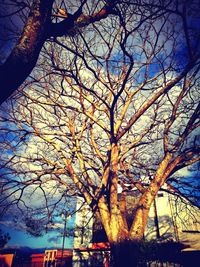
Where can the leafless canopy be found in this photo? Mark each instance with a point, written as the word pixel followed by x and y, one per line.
pixel 112 105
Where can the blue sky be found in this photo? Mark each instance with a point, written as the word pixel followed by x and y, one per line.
pixel 48 240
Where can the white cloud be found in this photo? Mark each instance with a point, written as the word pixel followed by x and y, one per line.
pixel 184 172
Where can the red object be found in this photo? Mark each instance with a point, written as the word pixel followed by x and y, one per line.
pixel 100 245
pixel 39 257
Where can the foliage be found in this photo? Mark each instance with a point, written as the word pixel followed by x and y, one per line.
pixel 149 251
pixel 4 238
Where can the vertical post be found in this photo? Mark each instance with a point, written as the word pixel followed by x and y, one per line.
pixel 156 220
pixel 106 259
pixel 64 234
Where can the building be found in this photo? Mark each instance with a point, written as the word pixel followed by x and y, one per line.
pixel 6 260
pixel 174 218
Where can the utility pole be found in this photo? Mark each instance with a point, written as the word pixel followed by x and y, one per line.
pixel 156 220
pixel 64 214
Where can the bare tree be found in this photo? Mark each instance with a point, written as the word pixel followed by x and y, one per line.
pixel 117 104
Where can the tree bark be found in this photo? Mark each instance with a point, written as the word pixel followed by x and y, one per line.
pixel 26 52
pixel 118 227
